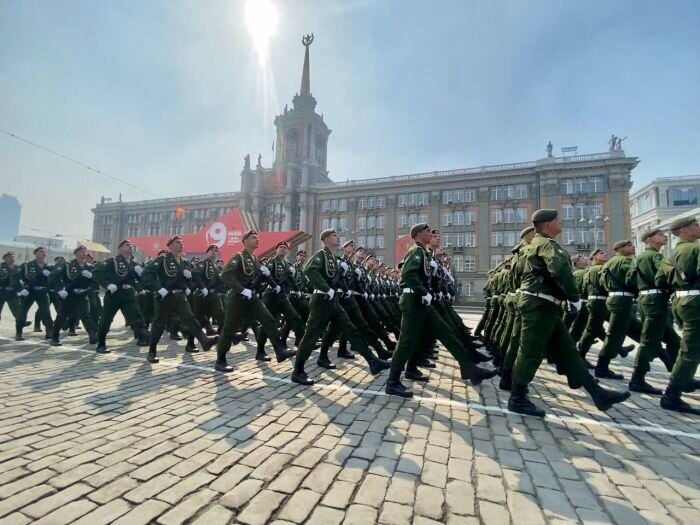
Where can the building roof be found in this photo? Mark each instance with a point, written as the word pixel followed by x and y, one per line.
pixel 681 179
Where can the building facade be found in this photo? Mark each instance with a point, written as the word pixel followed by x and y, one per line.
pixel 662 200
pixel 10 212
pixel 480 211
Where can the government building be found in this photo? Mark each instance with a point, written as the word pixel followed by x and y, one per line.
pixel 479 211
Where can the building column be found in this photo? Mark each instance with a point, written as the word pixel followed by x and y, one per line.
pixel 390 228
pixel 483 222
pixel 305 175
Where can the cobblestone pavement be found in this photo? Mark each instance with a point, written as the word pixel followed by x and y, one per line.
pixel 111 439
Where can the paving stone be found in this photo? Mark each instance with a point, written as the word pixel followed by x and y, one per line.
pixel 321 477
pixel 188 485
pixel 261 508
pixel 490 488
pixel 434 474
pixel 68 513
pixel 21 499
pixel 143 514
pixel 402 489
pixel 113 490
pixel 360 515
pixel 339 494
pixel 299 506
pixel 429 501
pixel 57 501
pixel 231 478
pixel 105 514
pixel 372 491
pixel 525 507
pixel 396 514
pixel 493 512
pixel 460 497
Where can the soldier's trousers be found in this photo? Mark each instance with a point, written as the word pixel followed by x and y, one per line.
pixel 301 305
pixel 9 297
pixel 349 304
pixel 75 306
pixel 209 307
pixel 504 340
pixel 322 312
pixel 580 321
pixel 372 317
pixel 514 343
pixel 595 329
pixel 95 305
pixel 173 305
pixel 147 306
pixel 621 324
pixel 419 321
pixel 241 312
pixel 124 300
pixel 484 317
pixel 41 298
pixel 688 310
pixel 491 321
pixel 543 332
pixel 656 327
pixel 277 305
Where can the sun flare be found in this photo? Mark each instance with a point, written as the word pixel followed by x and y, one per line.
pixel 261 17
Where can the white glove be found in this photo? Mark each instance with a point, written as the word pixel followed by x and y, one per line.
pixel 576 306
pixel 163 292
pixel 439 295
pixel 369 279
pixel 348 294
pixel 433 267
pixel 371 297
pixel 344 266
pixel 265 271
pixel 24 293
pixel 138 270
pixel 247 293
pixel 293 271
pixel 188 292
pixel 87 274
pixel 204 292
pixel 330 294
pixel 365 296
pixel 187 274
pixel 427 299
pixel 62 294
pixel 112 288
pixel 358 272
pixel 46 272
pixel 277 289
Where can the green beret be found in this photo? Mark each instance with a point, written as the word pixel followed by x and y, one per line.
pixel 326 233
pixel 173 239
pixel 39 248
pixel 621 244
pixel 595 252
pixel 526 231
pixel 417 228
pixel 650 233
pixel 248 234
pixel 125 241
pixel 544 215
pixel 9 254
pixel 682 223
pixel 79 248
pixel 301 252
pixel 282 243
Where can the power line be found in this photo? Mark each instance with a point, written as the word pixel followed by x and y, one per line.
pixel 82 165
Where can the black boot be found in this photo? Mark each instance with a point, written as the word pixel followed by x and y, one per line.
pixel 413 374
pixel 55 342
pixel 142 338
pixel 520 404
pixel 190 346
pixel 343 352
pixel 583 353
pixel 603 371
pixel 72 332
pixel 376 366
pixel 625 350
pixel 323 360
pixel 506 381
pixel 638 384
pixel 207 342
pixel 102 344
pixel 175 336
pixel 19 336
pixel 476 375
pixel 37 327
pixel 92 337
pixel 603 398
pixel 283 354
pixel 223 366
pixel 260 354
pixel 477 357
pixel 394 386
pixel 383 354
pixel 692 386
pixel 671 400
pixel 299 375
pixel 152 353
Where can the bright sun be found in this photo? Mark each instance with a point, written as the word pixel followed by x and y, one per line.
pixel 261 19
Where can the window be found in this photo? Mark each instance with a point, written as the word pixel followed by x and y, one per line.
pixel 362 203
pixel 469 263
pixel 447 197
pixel 581 236
pixel 370 241
pixel 342 204
pixel 496 260
pixel 596 210
pixel 447 219
pixel 403 200
pixel 509 215
pixel 413 199
pixel 469 217
pixel 521 215
pixel 469 195
pixel 325 205
pixel 381 201
pixel 684 196
pixel 581 185
pixel 403 221
pixel 599 237
pixel 342 224
pixel 458 263
pixel 567 186
pixel 458 218
pixel 509 238
pixel 466 289
pixel 422 199
pixel 371 202
pixel 567 212
pixel 470 239
pixel 380 222
pixel 496 216
pixel 361 241
pixel 568 236
pixel 596 184
pixel 581 210
pixel 521 191
pixel 380 241
pixel 371 223
pixel 325 224
pixel 496 238
pixel 362 223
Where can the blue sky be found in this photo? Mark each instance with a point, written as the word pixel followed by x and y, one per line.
pixel 167 94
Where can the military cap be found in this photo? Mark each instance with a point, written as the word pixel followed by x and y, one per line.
pixel 195 260
pixel 282 243
pixel 417 228
pixel 435 231
pixel 369 256
pixel 595 252
pixel 173 239
pixel 381 264
pixel 682 223
pixel 248 234
pixel 650 233
pixel 212 247
pixel 360 248
pixel 350 241
pixel 125 241
pixel 78 248
pixel 621 244
pixel 526 231
pixel 326 233
pixel 9 254
pixel 301 252
pixel 38 248
pixel 544 215
pixel 59 258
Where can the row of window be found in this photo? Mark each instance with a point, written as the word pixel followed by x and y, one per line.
pixel 273 208
pixel 413 199
pixel 582 185
pixel 334 205
pixel 582 236
pixel 505 238
pixel 339 224
pixel 370 223
pixel 371 202
pixel 452 196
pixel 463 263
pixel 511 191
pixel 370 241
pixel 684 196
pixel 460 239
pixel 509 216
pixel 458 218
pixel 406 221
pixel 582 211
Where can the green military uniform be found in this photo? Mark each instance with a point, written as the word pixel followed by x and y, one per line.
pixel 169 278
pixel 597 311
pixel 8 292
pixel 578 324
pixel 657 324
pixel 118 276
pixel 207 298
pixel 242 275
pixel 684 279
pixel 618 280
pixel 74 279
pixel 32 283
pixel 487 308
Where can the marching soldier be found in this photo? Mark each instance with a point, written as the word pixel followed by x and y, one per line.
pixel 8 294
pixel 578 323
pixel 420 320
pixel 169 277
pixel 32 285
pixel 118 275
pixel 207 278
pixel 325 272
pixel 242 275
pixel 685 282
pixel 72 282
pixel 548 281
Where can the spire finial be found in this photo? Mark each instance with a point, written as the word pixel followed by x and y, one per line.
pixel 305 90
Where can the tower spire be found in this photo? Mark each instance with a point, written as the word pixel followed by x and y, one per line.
pixel 305 90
